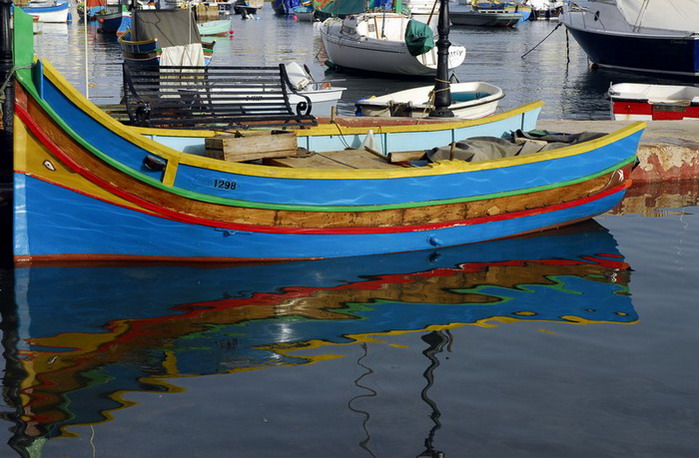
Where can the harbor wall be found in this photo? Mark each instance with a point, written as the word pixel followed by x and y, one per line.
pixel 669 150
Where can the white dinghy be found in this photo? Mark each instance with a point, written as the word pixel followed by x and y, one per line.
pixel 323 94
pixel 654 102
pixel 470 100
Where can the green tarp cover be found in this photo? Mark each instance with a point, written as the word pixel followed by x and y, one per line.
pixel 340 8
pixel 418 37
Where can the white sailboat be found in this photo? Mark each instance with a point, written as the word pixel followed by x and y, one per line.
pixel 376 42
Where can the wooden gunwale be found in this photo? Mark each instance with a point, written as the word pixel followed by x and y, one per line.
pixel 161 201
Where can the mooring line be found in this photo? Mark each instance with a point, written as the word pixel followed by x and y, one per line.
pixel 550 33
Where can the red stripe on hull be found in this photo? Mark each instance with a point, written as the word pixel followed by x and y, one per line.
pixel 656 112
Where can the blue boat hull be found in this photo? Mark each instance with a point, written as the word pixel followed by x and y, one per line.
pixel 116 231
pixel 284 7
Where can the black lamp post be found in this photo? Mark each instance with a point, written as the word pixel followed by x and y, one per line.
pixel 442 94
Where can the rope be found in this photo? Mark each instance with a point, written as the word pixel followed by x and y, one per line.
pixel 4 86
pixel 342 135
pixel 448 83
pixel 434 8
pixel 554 29
pixel 433 94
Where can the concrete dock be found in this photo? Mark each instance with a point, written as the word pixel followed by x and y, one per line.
pixel 669 150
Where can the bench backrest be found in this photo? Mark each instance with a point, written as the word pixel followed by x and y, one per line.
pixel 216 97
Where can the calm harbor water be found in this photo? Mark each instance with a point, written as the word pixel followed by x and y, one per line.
pixel 556 71
pixel 578 342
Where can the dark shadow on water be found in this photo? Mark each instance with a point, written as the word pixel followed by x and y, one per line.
pixel 368 393
pixel 436 341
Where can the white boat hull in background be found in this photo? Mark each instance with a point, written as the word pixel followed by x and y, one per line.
pixel 653 102
pixel 356 43
pixel 470 100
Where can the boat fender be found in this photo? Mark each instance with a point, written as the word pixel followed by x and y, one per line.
pixel 154 163
pixel 142 114
pixel 370 142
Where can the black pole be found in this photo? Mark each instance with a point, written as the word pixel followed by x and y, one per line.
pixel 6 144
pixel 442 93
pixel 5 73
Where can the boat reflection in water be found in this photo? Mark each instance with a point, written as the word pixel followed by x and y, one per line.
pixel 86 335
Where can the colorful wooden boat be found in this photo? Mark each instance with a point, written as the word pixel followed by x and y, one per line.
pixel 164 323
pixel 470 100
pixel 113 20
pixel 304 12
pixel 654 102
pixel 93 8
pixel 87 187
pixel 173 33
pixel 284 7
pixel 524 11
pixel 49 11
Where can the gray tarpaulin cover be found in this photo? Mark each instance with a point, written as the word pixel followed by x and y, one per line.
pixel 170 27
pixel 488 148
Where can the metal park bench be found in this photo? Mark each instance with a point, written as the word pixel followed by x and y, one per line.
pixel 214 97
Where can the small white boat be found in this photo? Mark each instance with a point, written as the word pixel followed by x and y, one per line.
pixel 376 42
pixel 220 28
pixel 470 100
pixel 653 102
pixel 546 9
pixel 49 11
pixel 323 94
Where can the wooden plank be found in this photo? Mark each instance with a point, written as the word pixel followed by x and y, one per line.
pixel 349 158
pixel 360 159
pixel 315 161
pixel 249 146
pixel 404 156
